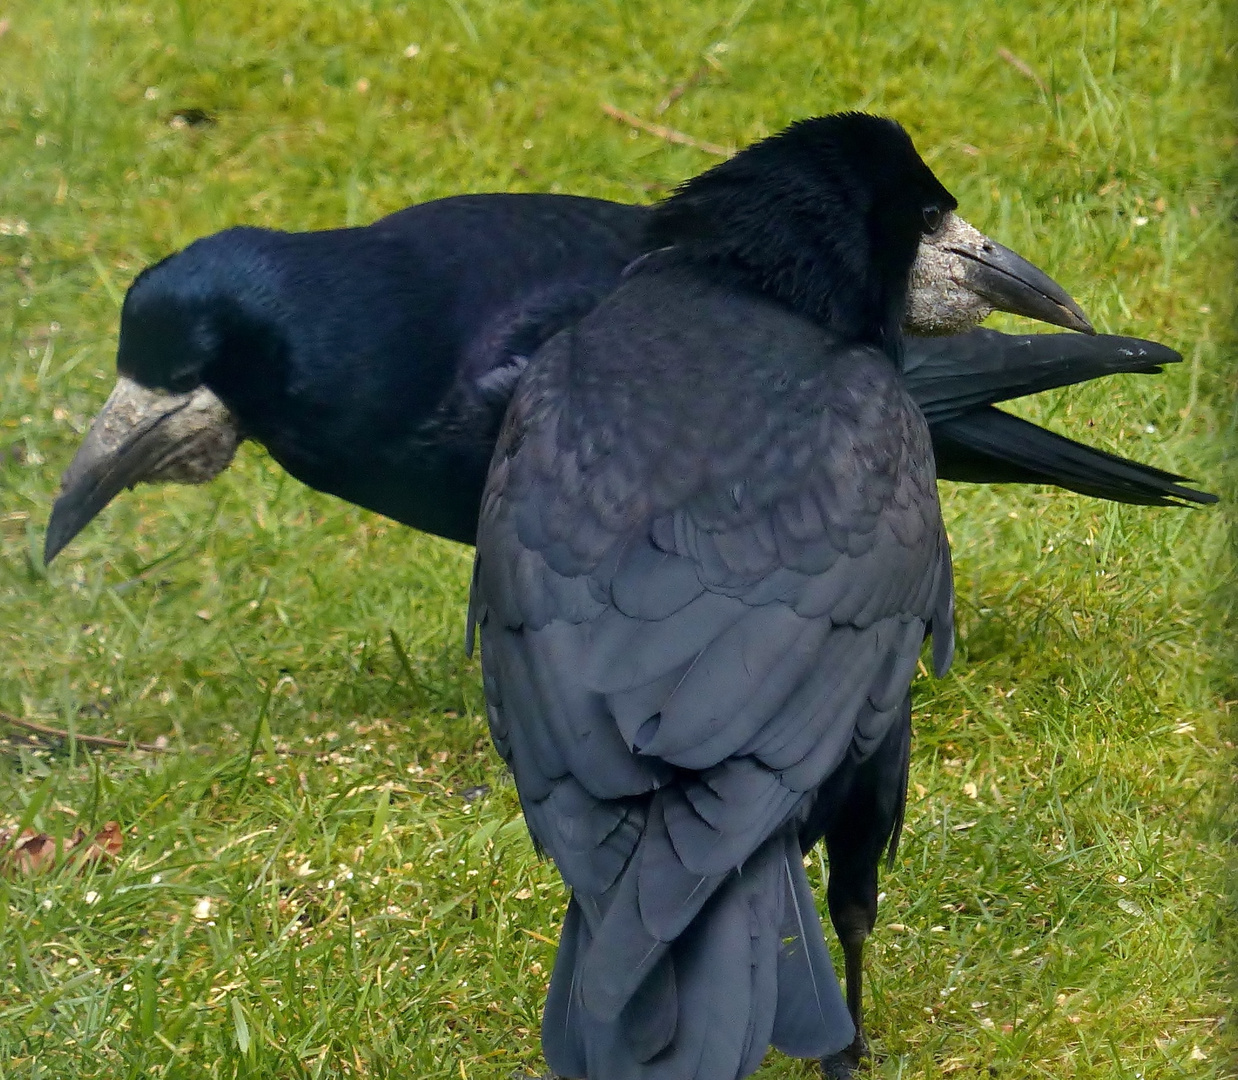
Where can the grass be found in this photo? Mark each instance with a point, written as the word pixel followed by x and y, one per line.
pixel 1059 902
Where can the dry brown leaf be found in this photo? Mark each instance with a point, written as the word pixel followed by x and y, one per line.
pixel 33 852
pixel 107 844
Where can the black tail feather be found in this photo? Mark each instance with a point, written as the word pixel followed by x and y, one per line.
pixel 562 1030
pixel 989 446
pixel 750 970
pixel 812 1019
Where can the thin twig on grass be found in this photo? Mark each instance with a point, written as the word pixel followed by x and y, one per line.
pixel 695 79
pixel 659 131
pixel 1023 68
pixel 85 740
pixel 104 742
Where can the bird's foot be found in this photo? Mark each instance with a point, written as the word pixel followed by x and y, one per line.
pixel 842 1065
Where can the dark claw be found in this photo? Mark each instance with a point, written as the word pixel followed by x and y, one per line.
pixel 842 1066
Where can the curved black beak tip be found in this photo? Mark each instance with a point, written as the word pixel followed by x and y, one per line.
pixel 75 507
pixel 1011 283
pixel 61 529
pixel 92 480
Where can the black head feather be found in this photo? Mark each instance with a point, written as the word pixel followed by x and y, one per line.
pixel 204 314
pixel 826 216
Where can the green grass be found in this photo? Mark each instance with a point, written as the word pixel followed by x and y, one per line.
pixel 1058 906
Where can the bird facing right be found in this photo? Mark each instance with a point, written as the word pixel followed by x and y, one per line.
pixel 709 552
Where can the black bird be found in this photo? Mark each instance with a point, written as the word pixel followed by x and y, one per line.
pixel 708 554
pixel 375 363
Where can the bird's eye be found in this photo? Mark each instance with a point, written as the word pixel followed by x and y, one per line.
pixel 933 218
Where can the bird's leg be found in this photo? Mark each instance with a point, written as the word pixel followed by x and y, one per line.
pixel 852 933
pixel 853 844
pixel 853 959
pixel 867 818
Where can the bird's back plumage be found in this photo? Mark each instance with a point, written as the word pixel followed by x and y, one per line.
pixel 709 552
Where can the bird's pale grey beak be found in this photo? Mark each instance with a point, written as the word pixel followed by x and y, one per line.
pixel 960 276
pixel 140 435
